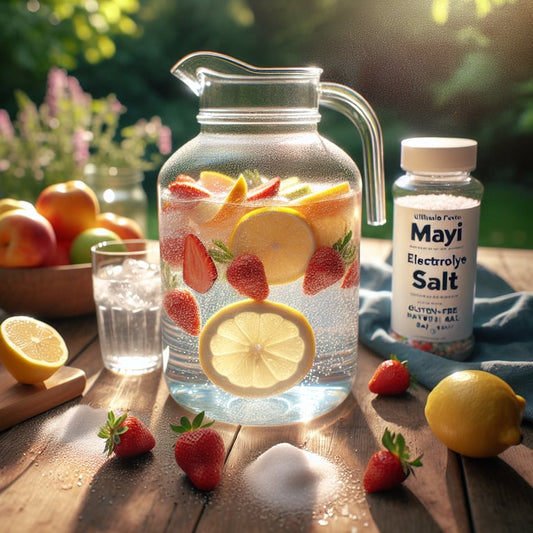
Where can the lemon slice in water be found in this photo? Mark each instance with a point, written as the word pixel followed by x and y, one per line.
pixel 280 237
pixel 30 349
pixel 256 349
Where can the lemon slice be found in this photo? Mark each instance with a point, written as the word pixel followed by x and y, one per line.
pixel 216 181
pixel 256 349
pixel 30 349
pixel 280 237
pixel 214 214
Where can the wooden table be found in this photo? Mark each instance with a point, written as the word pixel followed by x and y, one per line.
pixel 51 484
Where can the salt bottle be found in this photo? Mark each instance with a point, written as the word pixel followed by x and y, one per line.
pixel 436 223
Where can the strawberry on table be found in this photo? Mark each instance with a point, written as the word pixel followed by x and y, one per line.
pixel 391 377
pixel 126 435
pixel 390 467
pixel 199 270
pixel 182 308
pixel 199 452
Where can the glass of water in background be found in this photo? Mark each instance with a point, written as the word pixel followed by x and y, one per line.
pixel 127 292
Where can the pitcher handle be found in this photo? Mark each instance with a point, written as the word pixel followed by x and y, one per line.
pixel 358 110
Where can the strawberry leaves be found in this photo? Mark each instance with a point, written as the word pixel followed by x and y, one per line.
pixel 186 425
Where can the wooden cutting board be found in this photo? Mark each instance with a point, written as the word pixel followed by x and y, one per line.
pixel 19 402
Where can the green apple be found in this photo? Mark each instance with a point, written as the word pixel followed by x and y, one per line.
pixel 80 251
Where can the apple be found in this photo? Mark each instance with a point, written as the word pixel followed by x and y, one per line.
pixel 27 239
pixel 8 204
pixel 124 227
pixel 80 251
pixel 61 255
pixel 71 207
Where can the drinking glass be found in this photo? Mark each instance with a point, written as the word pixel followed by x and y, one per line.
pixel 127 293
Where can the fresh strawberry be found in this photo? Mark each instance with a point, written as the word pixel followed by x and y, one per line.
pixel 325 268
pixel 171 249
pixel 181 306
pixel 390 467
pixel 246 273
pixel 186 190
pixel 126 435
pixel 182 178
pixel 199 452
pixel 265 190
pixel 351 278
pixel 199 270
pixel 391 377
pixel 327 265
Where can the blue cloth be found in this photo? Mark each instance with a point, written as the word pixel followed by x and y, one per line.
pixel 503 330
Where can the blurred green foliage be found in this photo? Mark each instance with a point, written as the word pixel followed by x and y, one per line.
pixel 445 67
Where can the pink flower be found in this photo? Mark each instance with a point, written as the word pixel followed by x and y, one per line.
pixel 164 140
pixel 6 126
pixel 57 85
pixel 80 145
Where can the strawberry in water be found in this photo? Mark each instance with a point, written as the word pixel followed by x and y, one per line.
pixel 328 264
pixel 186 190
pixel 391 377
pixel 390 467
pixel 351 278
pixel 182 308
pixel 172 249
pixel 126 435
pixel 199 270
pixel 199 452
pixel 245 273
pixel 325 268
pixel 182 178
pixel 265 190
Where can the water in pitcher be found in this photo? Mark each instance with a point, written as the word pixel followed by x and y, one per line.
pixel 262 347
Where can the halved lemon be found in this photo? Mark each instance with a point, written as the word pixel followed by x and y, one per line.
pixel 256 349
pixel 280 237
pixel 31 350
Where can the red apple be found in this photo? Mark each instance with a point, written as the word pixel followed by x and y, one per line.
pixel 124 227
pixel 61 256
pixel 70 207
pixel 27 239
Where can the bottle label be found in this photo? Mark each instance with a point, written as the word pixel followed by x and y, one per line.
pixel 434 267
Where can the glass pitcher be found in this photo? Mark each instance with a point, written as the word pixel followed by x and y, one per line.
pixel 259 226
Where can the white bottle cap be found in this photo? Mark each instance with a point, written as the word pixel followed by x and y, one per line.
pixel 438 154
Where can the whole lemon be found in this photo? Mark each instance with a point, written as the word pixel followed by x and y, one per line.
pixel 475 413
